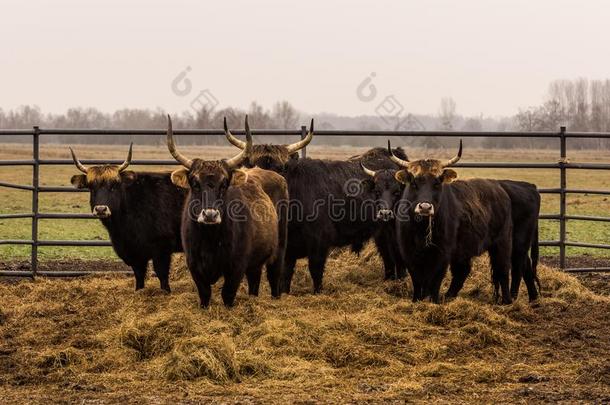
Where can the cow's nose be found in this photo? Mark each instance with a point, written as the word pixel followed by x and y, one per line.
pixel 101 211
pixel 209 216
pixel 385 215
pixel 424 208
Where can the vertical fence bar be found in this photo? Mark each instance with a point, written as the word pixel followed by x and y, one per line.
pixel 562 198
pixel 35 185
pixel 303 135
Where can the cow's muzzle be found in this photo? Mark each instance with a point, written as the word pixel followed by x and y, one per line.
pixel 101 211
pixel 385 215
pixel 209 216
pixel 425 209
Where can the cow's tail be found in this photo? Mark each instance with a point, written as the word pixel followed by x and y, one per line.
pixel 535 254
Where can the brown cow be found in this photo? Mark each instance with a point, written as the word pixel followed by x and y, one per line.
pixel 230 226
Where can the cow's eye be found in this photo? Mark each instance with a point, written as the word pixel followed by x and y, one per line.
pixel 413 185
pixel 397 193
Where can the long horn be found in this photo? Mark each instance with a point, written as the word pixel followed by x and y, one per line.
pixel 367 171
pixel 171 146
pixel 231 138
pixel 77 162
pixel 241 156
pixel 126 163
pixel 293 147
pixel 397 160
pixel 454 159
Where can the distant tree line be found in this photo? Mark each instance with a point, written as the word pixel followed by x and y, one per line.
pixel 581 105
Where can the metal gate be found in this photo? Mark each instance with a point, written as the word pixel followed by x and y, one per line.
pixel 563 165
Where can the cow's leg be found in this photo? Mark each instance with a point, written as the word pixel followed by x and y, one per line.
pixel 434 286
pixel 232 280
pixel 139 270
pixel 289 264
pixel 500 258
pixel 317 262
pixel 254 280
pixel 274 276
pixel 417 288
pixel 203 288
pixel 530 280
pixel 161 265
pixel 389 266
pixel 459 273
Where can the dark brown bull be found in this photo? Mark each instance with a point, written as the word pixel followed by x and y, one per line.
pixel 314 228
pixel 230 226
pixel 442 221
pixel 525 207
pixel 141 212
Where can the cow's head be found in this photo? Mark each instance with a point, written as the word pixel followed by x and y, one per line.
pixel 207 181
pixel 424 180
pixel 107 184
pixel 270 157
pixel 385 190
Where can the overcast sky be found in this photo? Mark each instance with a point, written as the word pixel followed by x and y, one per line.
pixel 492 57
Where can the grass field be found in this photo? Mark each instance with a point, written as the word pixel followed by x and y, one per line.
pixel 15 201
pixel 93 340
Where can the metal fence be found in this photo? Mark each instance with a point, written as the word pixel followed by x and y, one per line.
pixel 562 164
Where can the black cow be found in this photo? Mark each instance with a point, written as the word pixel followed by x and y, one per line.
pixel 230 226
pixel 442 221
pixel 141 212
pixel 386 192
pixel 329 207
pixel 525 207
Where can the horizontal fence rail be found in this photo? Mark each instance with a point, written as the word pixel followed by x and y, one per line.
pixel 562 164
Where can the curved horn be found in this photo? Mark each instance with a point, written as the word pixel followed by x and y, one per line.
pixel 77 162
pixel 126 163
pixel 171 146
pixel 454 159
pixel 231 138
pixel 293 147
pixel 397 160
pixel 241 156
pixel 367 171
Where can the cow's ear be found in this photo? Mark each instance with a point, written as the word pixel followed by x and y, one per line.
pixel 79 181
pixel 403 176
pixel 239 177
pixel 180 178
pixel 128 177
pixel 448 175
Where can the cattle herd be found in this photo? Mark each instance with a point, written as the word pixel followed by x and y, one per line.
pixel 267 207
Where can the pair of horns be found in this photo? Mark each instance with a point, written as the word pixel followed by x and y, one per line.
pixel 292 148
pixel 83 168
pixel 405 163
pixel 186 162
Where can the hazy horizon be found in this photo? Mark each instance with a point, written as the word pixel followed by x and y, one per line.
pixel 492 58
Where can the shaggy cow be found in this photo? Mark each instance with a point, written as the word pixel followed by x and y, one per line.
pixel 141 212
pixel 328 205
pixel 448 221
pixel 525 207
pixel 230 226
pixel 386 191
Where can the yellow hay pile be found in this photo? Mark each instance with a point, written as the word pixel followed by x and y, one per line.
pixel 362 339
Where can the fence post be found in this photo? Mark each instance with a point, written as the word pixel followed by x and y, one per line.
pixel 35 185
pixel 562 198
pixel 303 135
